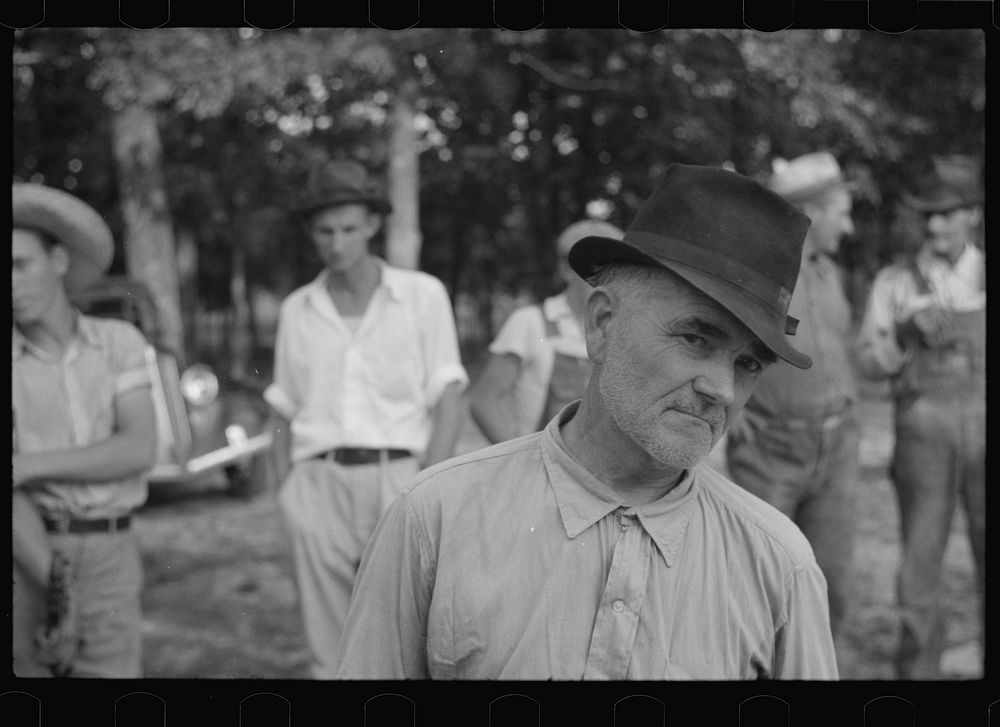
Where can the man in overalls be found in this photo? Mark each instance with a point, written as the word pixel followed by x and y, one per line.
pixel 925 327
pixel 538 361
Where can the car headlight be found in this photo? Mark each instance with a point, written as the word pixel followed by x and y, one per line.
pixel 199 385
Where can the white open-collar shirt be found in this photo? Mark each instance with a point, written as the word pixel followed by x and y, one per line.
pixel 374 386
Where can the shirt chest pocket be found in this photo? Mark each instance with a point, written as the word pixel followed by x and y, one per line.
pixel 393 365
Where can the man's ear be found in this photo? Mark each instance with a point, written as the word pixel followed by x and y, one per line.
pixel 60 259
pixel 600 305
pixel 374 224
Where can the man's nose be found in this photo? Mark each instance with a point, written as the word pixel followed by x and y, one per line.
pixel 717 381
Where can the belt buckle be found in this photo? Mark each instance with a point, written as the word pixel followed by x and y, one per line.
pixel 112 525
pixel 59 521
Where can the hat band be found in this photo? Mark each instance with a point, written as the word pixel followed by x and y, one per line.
pixel 766 289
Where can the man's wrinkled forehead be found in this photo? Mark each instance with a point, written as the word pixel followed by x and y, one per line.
pixel 681 307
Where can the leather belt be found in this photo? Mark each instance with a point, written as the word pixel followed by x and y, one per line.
pixel 61 525
pixel 360 455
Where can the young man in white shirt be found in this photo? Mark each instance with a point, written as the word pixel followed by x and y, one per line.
pixel 367 390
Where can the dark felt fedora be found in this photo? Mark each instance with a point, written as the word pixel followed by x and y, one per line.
pixel 342 182
pixel 954 182
pixel 728 236
pixel 71 222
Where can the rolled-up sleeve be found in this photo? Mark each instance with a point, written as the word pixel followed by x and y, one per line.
pixel 442 360
pixel 386 632
pixel 804 644
pixel 875 348
pixel 281 394
pixel 129 358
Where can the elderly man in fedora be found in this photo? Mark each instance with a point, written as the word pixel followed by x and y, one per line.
pixel 925 330
pixel 85 434
pixel 603 547
pixel 367 390
pixel 538 361
pixel 796 443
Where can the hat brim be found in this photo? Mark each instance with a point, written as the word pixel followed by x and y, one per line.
pixel 763 320
pixel 940 203
pixel 805 193
pixel 73 223
pixel 379 205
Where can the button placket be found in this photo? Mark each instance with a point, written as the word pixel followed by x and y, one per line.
pixel 618 615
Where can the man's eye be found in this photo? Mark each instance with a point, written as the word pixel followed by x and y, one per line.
pixel 751 365
pixel 694 339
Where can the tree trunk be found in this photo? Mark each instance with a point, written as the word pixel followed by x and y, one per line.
pixel 403 238
pixel 149 239
pixel 241 336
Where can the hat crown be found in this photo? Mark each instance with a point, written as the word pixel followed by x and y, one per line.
pixel 342 181
pixel 343 177
pixel 804 175
pixel 954 181
pixel 722 221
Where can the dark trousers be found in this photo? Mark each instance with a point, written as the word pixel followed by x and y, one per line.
pixel 811 475
pixel 939 459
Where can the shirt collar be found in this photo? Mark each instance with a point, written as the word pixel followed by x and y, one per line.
pixel 85 333
pixel 928 260
pixel 556 307
pixel 584 500
pixel 390 279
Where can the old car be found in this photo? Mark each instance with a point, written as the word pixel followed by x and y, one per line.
pixel 211 428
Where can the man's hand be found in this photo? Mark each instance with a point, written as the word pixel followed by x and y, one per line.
pixel 56 641
pixel 929 326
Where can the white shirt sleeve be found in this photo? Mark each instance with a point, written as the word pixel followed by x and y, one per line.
pixel 442 360
pixel 282 393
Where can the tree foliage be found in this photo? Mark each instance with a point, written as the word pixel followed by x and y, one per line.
pixel 519 134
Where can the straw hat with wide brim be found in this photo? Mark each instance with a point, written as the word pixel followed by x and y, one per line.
pixel 731 238
pixel 72 222
pixel 807 176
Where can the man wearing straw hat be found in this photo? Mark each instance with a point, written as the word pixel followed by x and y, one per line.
pixel 367 389
pixel 85 433
pixel 925 330
pixel 538 361
pixel 796 443
pixel 603 547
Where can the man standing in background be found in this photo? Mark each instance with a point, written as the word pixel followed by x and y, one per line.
pixel 538 362
pixel 367 390
pixel 85 433
pixel 925 330
pixel 796 443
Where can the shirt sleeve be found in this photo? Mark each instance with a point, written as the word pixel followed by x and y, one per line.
pixel 129 361
pixel 804 644
pixel 875 349
pixel 520 334
pixel 385 636
pixel 442 360
pixel 282 394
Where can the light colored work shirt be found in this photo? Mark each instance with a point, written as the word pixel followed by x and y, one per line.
pixel 514 562
pixel 825 335
pixel 524 334
pixel 69 401
pixel 895 297
pixel 374 386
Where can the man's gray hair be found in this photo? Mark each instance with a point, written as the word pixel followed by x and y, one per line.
pixel 627 277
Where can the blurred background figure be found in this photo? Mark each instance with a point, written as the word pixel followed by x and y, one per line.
pixel 925 329
pixel 367 389
pixel 796 443
pixel 85 433
pixel 538 361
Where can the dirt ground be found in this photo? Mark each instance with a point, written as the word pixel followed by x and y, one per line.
pixel 220 602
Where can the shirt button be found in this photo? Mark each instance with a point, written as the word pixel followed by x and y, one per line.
pixel 618 606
